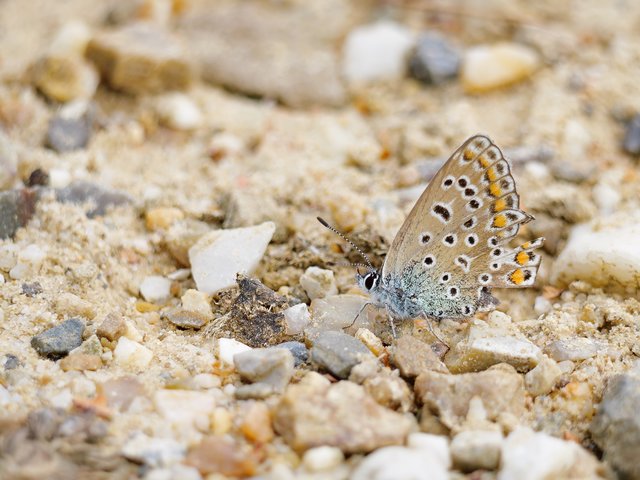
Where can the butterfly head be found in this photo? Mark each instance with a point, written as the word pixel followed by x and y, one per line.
pixel 369 281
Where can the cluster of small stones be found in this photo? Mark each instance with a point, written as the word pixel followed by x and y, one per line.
pixel 186 323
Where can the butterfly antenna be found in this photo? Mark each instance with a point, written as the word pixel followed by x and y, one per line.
pixel 346 239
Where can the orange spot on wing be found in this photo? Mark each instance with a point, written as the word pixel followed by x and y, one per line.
pixel 484 163
pixel 492 175
pixel 499 221
pixel 522 258
pixel 517 276
pixel 500 205
pixel 468 154
pixel 525 245
pixel 495 190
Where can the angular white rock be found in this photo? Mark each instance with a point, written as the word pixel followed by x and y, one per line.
pixel 527 455
pixel 132 355
pixel 175 472
pixel 228 347
pixel 377 52
pixel 220 255
pixel 476 449
pixel 152 451
pixel 318 282
pixel 155 289
pixel 400 462
pixel 486 67
pixel 195 301
pixel 603 253
pixel 178 111
pixel 185 409
pixel 543 377
pixel 297 318
pixel 436 445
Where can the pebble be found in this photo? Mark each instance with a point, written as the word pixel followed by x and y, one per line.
pixel 186 319
pixel 484 346
pixel 16 209
pixel 222 455
pixel 31 289
pixel 99 198
pixel 228 348
pixel 185 410
pixel 542 305
pixel 337 312
pixel 412 357
pixel 434 60
pixel 476 450
pixel 112 327
pixel 174 472
pixel 543 377
pixel 604 253
pixel 573 348
pixel 297 318
pixel 529 455
pixel 58 341
pixel 321 459
pixel 121 392
pixel 64 77
pixel 371 341
pixel 80 361
pixel 344 416
pixel 390 391
pixel 68 134
pixel 607 197
pixel 69 304
pixel 401 462
pixel 8 162
pixel 298 350
pixel 376 52
pixel 487 67
pixel 178 111
pixel 161 218
pixel 155 289
pixel 500 388
pixel 256 423
pixel 141 58
pixel 182 235
pixel 11 362
pixel 631 142
pixel 338 352
pixel 218 257
pixel 318 282
pixel 616 426
pixel 132 355
pixel 268 369
pixel 246 208
pixel 198 302
pixel 153 451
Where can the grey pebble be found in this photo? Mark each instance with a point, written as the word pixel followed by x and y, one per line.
pixel 11 362
pixel 631 142
pixel 298 350
pixel 58 341
pixel 16 209
pixel 434 60
pixel 68 134
pixel 267 369
pixel 616 426
pixel 31 289
pixel 100 198
pixel 338 352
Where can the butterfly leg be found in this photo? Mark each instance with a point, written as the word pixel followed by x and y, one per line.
pixel 393 327
pixel 430 327
pixel 365 305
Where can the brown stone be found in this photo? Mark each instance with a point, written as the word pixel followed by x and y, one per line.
pixel 413 357
pixel 314 413
pixel 500 388
pixel 80 361
pixel 256 423
pixel 141 58
pixel 112 327
pixel 222 455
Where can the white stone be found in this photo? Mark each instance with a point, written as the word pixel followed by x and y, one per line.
pixel 323 458
pixel 391 463
pixel 32 255
pixel 132 355
pixel 8 256
pixel 228 347
pixel 180 274
pixel 62 399
pixel 542 305
pixel 175 472
pixel 339 311
pixel 476 450
pixel 377 52
pixel 195 301
pixel 152 451
pixel 185 409
pixel 604 253
pixel 20 271
pixel 219 256
pixel 155 289
pixel 297 318
pixel 71 39
pixel 607 198
pixel 318 282
pixel 527 455
pixel 574 348
pixel 59 178
pixel 178 111
pixel 486 67
pixel 436 445
pixel 543 377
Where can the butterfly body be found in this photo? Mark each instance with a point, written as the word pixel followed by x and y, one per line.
pixel 452 248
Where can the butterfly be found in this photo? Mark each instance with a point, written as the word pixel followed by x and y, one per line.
pixel 452 248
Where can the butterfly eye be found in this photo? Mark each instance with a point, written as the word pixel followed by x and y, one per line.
pixel 369 281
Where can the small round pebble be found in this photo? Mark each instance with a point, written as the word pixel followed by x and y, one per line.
pixel 323 458
pixel 155 289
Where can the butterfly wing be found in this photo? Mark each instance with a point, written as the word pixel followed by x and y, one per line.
pixel 451 246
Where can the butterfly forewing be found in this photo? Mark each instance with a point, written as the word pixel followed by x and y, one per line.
pixel 453 239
